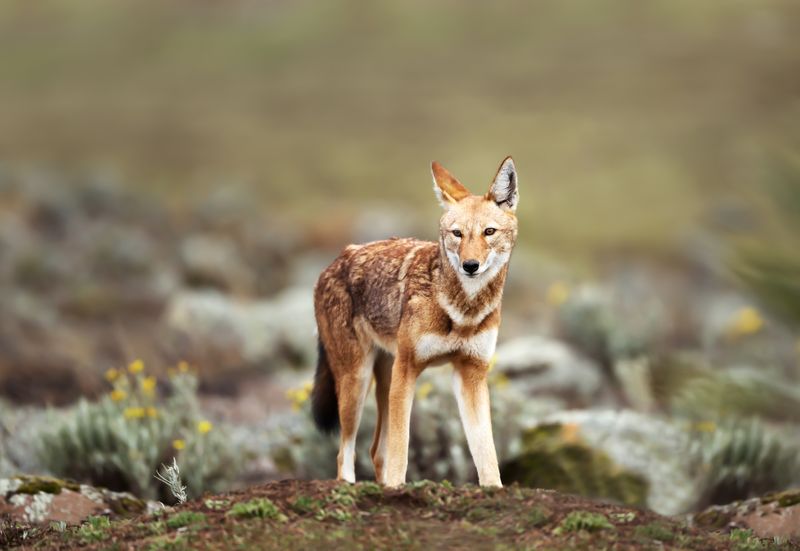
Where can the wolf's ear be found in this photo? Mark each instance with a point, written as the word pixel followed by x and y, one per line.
pixel 448 190
pixel 503 190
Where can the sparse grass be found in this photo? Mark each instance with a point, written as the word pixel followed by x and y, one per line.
pixel 305 505
pixel 654 531
pixel 257 508
pixel 583 520
pixel 339 514
pixel 623 518
pixel 168 543
pixel 744 540
pixel 369 489
pixel 94 529
pixel 185 518
pixel 343 495
pixel 538 516
pixel 217 504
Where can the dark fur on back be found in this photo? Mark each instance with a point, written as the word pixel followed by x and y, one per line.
pixel 324 404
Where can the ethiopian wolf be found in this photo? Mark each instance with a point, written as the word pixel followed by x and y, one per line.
pixel 389 309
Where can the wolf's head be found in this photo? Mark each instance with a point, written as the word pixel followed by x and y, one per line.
pixel 477 232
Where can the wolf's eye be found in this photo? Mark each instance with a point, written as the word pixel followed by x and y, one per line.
pixel 457 233
pixel 489 231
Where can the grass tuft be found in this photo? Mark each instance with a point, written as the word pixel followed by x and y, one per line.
pixel 185 518
pixel 257 508
pixel 583 520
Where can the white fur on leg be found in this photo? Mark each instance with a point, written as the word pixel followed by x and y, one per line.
pixel 349 460
pixel 347 448
pixel 478 428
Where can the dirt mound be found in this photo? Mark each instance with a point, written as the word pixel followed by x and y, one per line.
pixel 303 514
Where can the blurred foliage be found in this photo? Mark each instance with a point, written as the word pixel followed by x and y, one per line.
pixel 771 269
pixel 628 120
pixel 686 388
pixel 120 441
pixel 743 458
pixel 589 321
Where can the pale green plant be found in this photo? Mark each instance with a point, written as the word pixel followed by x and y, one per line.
pixel 743 458
pixel 120 440
pixel 170 475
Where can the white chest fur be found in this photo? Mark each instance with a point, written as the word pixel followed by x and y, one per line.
pixel 479 346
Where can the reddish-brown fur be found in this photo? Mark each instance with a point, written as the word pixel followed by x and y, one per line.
pixel 389 309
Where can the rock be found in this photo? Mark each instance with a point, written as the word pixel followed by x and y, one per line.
pixel 381 221
pixel 260 332
pixel 771 516
pixel 214 261
pixel 554 457
pixel 540 365
pixel 583 451
pixel 39 499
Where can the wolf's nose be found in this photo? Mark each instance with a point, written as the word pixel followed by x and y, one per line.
pixel 471 266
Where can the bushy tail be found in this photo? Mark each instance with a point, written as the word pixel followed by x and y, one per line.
pixel 324 405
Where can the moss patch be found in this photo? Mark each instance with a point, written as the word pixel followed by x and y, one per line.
pixel 552 457
pixel 584 520
pixel 44 484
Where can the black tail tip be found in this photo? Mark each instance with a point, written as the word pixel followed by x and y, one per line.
pixel 324 404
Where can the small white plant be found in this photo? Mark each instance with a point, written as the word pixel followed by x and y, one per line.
pixel 171 476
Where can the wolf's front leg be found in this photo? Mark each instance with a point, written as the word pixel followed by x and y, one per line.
pixel 471 388
pixel 401 396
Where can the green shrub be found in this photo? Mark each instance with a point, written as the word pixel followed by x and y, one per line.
pixel 584 520
pixel 185 518
pixel 121 440
pixel 257 508
pixel 655 531
pixel 744 458
pixel 305 505
pixel 770 267
pixel 94 529
pixel 744 540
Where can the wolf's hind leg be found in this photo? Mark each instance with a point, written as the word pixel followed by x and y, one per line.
pixel 351 388
pixel 383 378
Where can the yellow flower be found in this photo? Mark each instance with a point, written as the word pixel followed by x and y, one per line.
pixel 424 390
pixel 747 321
pixel 705 426
pixel 500 380
pixel 112 375
pixel 178 444
pixel 299 396
pixel 148 385
pixel 136 366
pixel 134 413
pixel 204 427
pixel 558 293
pixel 152 412
pixel 118 395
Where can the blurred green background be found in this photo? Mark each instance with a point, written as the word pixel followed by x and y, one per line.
pixel 631 122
